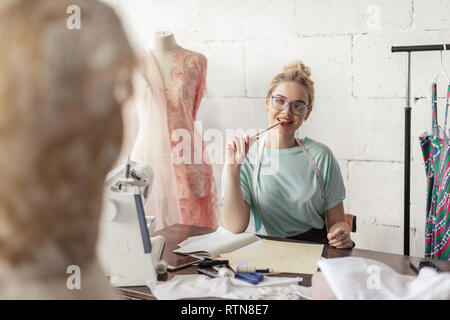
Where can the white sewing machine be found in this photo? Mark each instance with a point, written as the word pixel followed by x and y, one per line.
pixel 127 253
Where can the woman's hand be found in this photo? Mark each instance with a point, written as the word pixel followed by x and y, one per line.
pixel 237 149
pixel 338 232
pixel 236 212
pixel 340 238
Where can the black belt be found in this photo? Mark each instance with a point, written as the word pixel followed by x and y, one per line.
pixel 312 235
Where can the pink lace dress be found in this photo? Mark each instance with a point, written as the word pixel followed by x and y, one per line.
pixel 195 180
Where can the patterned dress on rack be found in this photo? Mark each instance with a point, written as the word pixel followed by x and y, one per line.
pixel 194 174
pixel 436 153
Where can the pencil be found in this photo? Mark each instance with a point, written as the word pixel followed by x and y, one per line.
pixel 413 267
pixel 267 129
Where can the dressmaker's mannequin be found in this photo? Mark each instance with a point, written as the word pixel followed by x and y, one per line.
pixel 163 47
pixel 183 75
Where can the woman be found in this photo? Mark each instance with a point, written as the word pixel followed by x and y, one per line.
pixel 301 198
pixel 61 91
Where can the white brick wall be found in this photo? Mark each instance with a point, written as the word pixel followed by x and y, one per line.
pixel 328 57
pixel 432 15
pixel 360 85
pixel 379 73
pixel 224 59
pixel 236 20
pixel 329 17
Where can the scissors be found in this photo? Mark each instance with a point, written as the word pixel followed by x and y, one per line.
pixel 211 263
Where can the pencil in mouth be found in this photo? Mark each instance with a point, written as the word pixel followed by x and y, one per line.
pixel 284 121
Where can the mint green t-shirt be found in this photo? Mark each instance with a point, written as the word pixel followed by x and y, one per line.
pixel 289 194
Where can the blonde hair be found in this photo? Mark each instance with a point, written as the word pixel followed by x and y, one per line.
pixel 296 72
pixel 60 125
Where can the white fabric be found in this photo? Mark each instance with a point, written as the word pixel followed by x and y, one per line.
pixel 358 278
pixel 201 286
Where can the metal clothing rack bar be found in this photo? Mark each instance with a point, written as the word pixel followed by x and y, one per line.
pixel 433 47
pixel 407 159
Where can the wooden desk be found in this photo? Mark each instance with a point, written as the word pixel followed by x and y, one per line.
pixel 179 232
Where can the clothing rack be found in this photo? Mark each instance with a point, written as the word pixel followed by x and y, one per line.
pixel 407 168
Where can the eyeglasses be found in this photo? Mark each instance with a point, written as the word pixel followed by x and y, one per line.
pixel 297 107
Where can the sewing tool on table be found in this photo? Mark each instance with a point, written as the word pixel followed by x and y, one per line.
pixel 250 277
pixel 252 269
pixel 223 272
pixel 211 263
pixel 424 264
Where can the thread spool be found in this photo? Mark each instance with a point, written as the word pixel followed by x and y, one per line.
pixel 251 269
pixel 245 269
pixel 225 272
pixel 161 267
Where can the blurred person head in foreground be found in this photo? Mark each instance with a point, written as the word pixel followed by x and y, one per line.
pixel 61 93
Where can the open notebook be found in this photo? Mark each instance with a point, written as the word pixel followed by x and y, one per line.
pixel 213 244
pixel 248 250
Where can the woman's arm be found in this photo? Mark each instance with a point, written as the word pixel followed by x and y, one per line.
pixel 338 231
pixel 236 212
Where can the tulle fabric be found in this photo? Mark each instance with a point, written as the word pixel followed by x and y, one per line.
pixel 152 140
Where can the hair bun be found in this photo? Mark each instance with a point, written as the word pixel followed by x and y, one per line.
pixel 297 66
